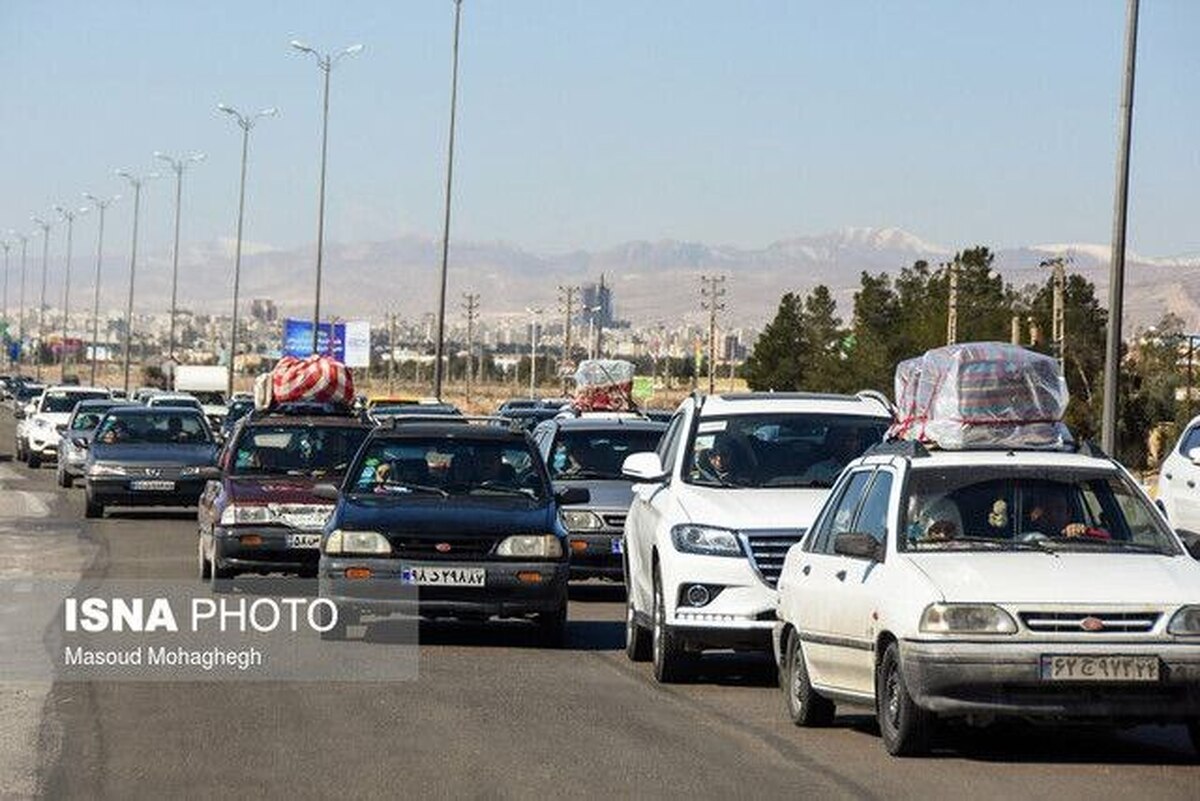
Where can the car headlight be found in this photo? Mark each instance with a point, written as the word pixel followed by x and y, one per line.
pixel 357 542
pixel 966 619
pixel 240 513
pixel 106 470
pixel 707 540
pixel 1185 622
pixel 533 546
pixel 580 520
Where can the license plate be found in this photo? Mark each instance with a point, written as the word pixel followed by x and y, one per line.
pixel 152 486
pixel 313 521
pixel 303 540
pixel 617 547
pixel 444 576
pixel 1100 668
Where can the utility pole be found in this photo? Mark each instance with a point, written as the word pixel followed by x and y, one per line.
pixel 1116 278
pixel 69 216
pixel 952 305
pixel 391 353
pixel 21 301
pixel 566 296
pixel 1058 315
pixel 41 332
pixel 471 307
pixel 712 289
pixel 101 206
pixel 4 243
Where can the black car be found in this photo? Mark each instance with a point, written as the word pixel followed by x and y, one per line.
pixel 463 513
pixel 237 410
pixel 140 456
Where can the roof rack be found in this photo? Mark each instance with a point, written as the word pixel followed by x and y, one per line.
pixel 395 421
pixel 305 409
pixel 878 397
pixel 898 447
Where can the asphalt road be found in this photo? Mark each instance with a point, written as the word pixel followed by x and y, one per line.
pixel 492 715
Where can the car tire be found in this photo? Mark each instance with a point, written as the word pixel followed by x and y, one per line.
pixel 906 729
pixel 672 663
pixel 804 705
pixel 638 641
pixel 552 627
pixel 20 454
pixel 338 631
pixel 216 570
pixel 93 509
pixel 65 480
pixel 204 567
pixel 33 460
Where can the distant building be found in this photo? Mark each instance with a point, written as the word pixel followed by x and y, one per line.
pixel 264 310
pixel 598 304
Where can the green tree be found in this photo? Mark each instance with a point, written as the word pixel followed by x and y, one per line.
pixel 777 359
pixel 822 338
pixel 874 348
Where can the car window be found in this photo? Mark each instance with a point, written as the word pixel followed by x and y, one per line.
pixel 1190 440
pixel 668 445
pixel 85 421
pixel 873 515
pixel 63 401
pixel 840 518
pixel 597 453
pixel 165 427
pixel 404 468
pixel 296 450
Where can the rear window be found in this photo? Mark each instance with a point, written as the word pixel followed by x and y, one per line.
pixel 449 466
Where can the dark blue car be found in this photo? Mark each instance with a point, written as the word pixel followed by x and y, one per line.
pixel 461 517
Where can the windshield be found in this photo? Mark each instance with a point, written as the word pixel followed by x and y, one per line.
pixel 777 450
pixel 986 508
pixel 296 450
pixel 584 454
pixel 63 402
pixel 445 466
pixel 210 398
pixel 165 427
pixel 89 418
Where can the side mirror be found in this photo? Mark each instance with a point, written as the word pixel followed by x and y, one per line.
pixel 643 467
pixel 1191 541
pixel 857 546
pixel 80 442
pixel 327 491
pixel 1194 455
pixel 572 496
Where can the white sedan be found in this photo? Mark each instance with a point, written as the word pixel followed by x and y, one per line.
pixel 1040 585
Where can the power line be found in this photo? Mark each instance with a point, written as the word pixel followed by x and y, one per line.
pixel 566 305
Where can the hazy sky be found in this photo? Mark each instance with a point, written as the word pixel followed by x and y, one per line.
pixel 586 123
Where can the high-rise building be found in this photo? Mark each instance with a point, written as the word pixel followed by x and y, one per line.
pixel 597 304
pixel 264 310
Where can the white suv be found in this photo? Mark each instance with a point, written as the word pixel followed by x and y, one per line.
pixel 734 483
pixel 1179 481
pixel 975 585
pixel 38 434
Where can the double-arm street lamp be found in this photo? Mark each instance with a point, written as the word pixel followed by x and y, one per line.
pixel 24 238
pixel 101 205
pixel 7 247
pixel 41 332
pixel 136 182
pixel 69 216
pixel 326 63
pixel 246 122
pixel 178 165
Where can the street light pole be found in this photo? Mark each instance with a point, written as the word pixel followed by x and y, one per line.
pixel 69 215
pixel 533 329
pixel 101 206
pixel 246 123
pixel 21 299
pixel 178 165
pixel 441 320
pixel 326 63
pixel 136 182
pixel 7 247
pixel 45 226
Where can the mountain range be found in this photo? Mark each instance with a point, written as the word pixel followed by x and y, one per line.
pixel 652 281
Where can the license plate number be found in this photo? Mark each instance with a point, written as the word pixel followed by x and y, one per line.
pixel 617 547
pixel 303 540
pixel 152 486
pixel 444 576
pixel 1100 668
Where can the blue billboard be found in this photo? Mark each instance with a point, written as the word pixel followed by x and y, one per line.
pixel 297 339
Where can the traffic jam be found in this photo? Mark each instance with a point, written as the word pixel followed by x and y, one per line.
pixel 951 553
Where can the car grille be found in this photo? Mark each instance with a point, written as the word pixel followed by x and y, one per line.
pixel 768 550
pixel 1071 622
pixel 426 547
pixel 614 521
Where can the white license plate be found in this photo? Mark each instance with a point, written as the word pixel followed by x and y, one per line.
pixel 616 545
pixel 152 486
pixel 306 521
pixel 1100 668
pixel 303 540
pixel 444 576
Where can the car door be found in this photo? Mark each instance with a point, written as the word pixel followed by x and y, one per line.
pixel 856 590
pixel 815 582
pixel 1181 478
pixel 647 510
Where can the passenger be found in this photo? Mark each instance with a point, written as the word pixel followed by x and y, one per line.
pixel 937 521
pixel 175 432
pixel 718 463
pixel 492 469
pixel 116 433
pixel 1049 513
pixel 840 447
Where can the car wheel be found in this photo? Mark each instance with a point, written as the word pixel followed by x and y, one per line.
pixel 672 663
pixel 904 726
pixel 93 509
pixel 1193 728
pixel 218 571
pixel 805 706
pixel 34 460
pixel 637 639
pixel 64 479
pixel 552 627
pixel 202 563
pixel 338 631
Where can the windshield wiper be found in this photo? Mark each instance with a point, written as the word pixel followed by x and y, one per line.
pixel 400 486
pixel 502 490
pixel 1068 542
pixel 1001 545
pixel 583 474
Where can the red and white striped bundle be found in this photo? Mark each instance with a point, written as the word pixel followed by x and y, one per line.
pixel 318 379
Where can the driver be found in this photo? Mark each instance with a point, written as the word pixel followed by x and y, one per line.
pixel 491 468
pixel 718 463
pixel 117 432
pixel 1049 513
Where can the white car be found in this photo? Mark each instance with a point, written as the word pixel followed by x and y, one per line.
pixel 1179 480
pixel 734 483
pixel 983 584
pixel 175 400
pixel 38 433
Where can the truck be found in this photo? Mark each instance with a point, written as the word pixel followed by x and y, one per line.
pixel 208 384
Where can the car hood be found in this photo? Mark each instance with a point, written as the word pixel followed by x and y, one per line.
pixel 435 516
pixel 54 418
pixel 154 454
pixel 275 489
pixel 605 493
pixel 1037 577
pixel 748 509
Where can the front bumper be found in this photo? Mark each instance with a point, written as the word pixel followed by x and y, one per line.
pixel 596 554
pixel 997 678
pixel 273 553
pixel 741 612
pixel 503 593
pixel 118 491
pixel 43 442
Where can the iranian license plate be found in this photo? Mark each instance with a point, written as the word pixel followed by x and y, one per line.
pixel 303 540
pixel 1100 668
pixel 617 547
pixel 152 486
pixel 444 576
